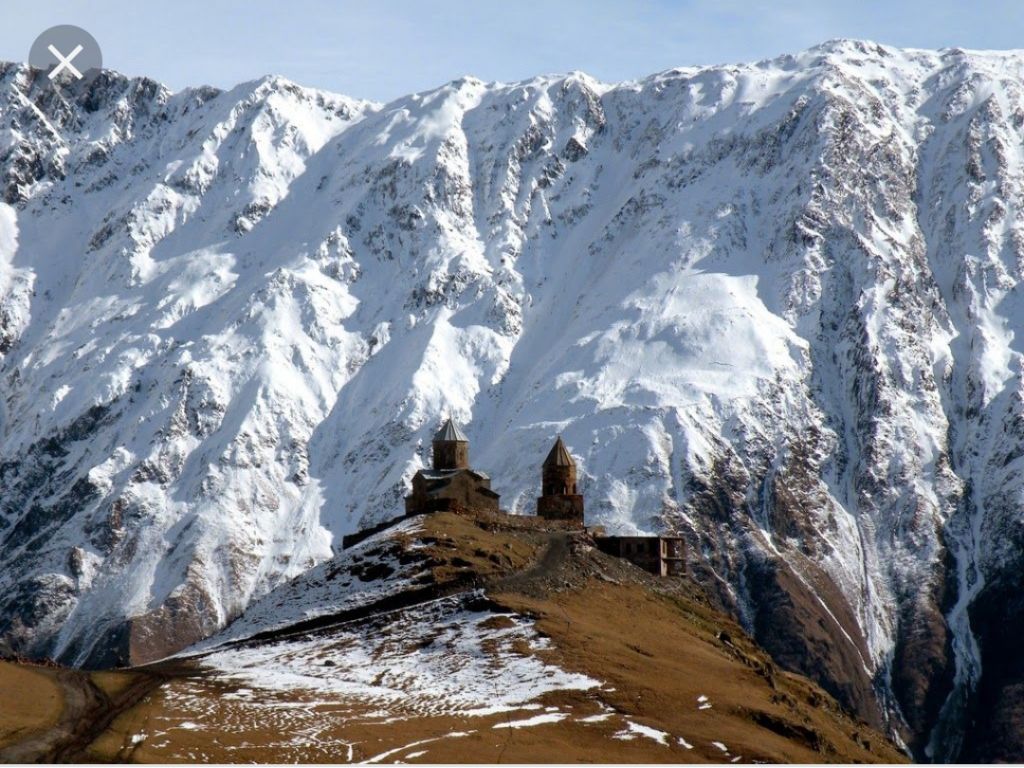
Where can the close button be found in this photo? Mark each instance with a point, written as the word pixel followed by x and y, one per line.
pixel 68 54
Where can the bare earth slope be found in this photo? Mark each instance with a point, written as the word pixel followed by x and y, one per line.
pixel 532 647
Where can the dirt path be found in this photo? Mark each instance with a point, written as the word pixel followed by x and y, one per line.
pixel 550 562
pixel 87 711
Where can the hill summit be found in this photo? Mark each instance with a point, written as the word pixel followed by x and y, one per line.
pixel 459 637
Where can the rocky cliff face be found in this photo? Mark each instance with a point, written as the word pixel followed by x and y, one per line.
pixel 774 307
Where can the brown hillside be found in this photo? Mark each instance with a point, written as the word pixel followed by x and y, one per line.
pixel 511 614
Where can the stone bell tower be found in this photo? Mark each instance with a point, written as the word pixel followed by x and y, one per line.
pixel 451 447
pixel 559 499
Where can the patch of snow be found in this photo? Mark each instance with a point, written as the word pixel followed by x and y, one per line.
pixel 385 755
pixel 547 717
pixel 632 730
pixel 438 658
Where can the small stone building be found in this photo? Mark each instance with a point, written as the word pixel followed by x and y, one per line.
pixel 660 555
pixel 559 499
pixel 450 483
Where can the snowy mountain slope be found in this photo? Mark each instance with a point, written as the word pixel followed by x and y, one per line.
pixel 259 133
pixel 367 574
pixel 772 306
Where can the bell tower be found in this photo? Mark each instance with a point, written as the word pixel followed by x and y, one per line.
pixel 559 499
pixel 558 474
pixel 451 447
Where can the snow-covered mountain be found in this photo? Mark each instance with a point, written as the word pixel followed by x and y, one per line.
pixel 775 307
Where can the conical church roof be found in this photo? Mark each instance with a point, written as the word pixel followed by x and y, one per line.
pixel 559 456
pixel 450 433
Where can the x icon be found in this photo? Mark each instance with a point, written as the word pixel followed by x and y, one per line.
pixel 65 62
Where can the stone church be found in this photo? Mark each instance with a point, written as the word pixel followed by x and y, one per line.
pixel 450 483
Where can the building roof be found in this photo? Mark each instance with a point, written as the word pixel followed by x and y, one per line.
pixel 444 474
pixel 450 433
pixel 559 456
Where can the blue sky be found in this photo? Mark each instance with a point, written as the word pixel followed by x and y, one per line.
pixel 383 49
